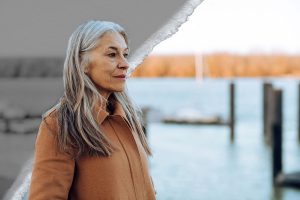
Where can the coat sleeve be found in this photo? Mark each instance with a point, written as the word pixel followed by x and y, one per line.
pixel 53 170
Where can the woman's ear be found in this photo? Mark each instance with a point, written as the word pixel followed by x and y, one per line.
pixel 85 63
pixel 86 70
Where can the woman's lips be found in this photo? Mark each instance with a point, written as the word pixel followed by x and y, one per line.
pixel 123 77
pixel 120 76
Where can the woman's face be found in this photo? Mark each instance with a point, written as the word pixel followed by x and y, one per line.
pixel 108 64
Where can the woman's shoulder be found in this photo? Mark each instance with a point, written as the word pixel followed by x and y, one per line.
pixel 50 119
pixel 48 130
pixel 47 139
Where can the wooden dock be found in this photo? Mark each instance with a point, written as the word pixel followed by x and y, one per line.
pixel 289 180
pixel 211 120
pixel 195 121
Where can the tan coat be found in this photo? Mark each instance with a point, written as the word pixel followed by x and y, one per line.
pixel 122 176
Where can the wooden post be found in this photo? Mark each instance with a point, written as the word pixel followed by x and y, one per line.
pixel 277 134
pixel 269 114
pixel 266 88
pixel 232 111
pixel 299 112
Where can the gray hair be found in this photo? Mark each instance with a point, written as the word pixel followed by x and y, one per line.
pixel 78 128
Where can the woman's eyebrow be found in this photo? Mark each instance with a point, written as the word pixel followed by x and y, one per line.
pixel 116 48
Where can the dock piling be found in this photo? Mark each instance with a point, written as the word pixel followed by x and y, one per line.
pixel 232 111
pixel 277 134
pixel 268 106
pixel 266 87
pixel 298 112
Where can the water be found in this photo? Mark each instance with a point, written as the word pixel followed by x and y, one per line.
pixel 198 162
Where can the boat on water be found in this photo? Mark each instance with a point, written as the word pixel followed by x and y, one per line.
pixel 192 116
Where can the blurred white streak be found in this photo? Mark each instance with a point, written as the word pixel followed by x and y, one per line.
pixel 166 31
pixel 19 189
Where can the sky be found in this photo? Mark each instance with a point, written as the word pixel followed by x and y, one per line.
pixel 238 26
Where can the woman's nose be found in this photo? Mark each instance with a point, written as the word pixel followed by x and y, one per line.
pixel 123 64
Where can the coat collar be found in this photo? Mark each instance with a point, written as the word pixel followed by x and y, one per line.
pixel 101 114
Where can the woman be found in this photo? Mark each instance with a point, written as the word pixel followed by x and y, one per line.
pixel 91 145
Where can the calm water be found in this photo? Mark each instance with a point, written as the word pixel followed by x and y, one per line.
pixel 198 162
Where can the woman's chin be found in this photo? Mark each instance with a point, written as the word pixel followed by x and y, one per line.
pixel 119 89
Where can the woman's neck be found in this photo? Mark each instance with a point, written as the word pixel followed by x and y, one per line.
pixel 105 94
pixel 107 104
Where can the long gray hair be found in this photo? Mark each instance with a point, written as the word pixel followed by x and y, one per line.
pixel 78 128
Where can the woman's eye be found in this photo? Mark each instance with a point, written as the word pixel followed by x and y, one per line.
pixel 125 55
pixel 112 54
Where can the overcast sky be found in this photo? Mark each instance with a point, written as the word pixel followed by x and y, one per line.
pixel 241 26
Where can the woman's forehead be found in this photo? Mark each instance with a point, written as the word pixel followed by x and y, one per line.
pixel 113 40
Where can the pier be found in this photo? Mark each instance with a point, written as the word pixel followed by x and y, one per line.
pixel 210 120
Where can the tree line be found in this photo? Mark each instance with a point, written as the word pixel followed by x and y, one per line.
pixel 213 65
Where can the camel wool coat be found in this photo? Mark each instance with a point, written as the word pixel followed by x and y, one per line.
pixel 122 176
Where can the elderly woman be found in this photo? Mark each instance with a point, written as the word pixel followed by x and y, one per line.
pixel 91 145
